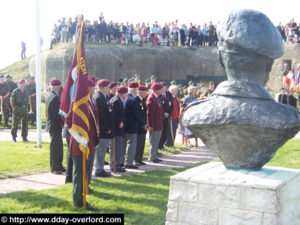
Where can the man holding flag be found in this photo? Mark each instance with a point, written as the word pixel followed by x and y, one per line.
pixel 80 116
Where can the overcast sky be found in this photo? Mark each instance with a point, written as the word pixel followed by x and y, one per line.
pixel 18 21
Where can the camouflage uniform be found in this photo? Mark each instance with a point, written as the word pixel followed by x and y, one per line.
pixel 29 90
pixel 11 86
pixel 19 113
pixel 207 93
pixel 3 91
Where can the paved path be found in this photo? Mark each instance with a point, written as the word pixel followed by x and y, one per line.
pixel 49 180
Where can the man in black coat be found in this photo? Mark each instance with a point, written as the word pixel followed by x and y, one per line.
pixel 291 100
pixel 117 103
pixel 54 126
pixel 166 99
pixel 106 126
pixel 281 95
pixel 142 127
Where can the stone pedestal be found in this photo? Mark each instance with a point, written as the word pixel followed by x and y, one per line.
pixel 213 195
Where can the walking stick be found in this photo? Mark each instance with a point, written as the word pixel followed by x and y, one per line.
pixel 171 129
pixel 114 152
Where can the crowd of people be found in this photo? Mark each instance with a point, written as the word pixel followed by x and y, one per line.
pixel 168 34
pixel 290 32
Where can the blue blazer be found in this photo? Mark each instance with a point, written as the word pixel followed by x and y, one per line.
pixel 132 115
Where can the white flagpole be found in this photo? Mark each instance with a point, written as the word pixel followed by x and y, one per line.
pixel 38 77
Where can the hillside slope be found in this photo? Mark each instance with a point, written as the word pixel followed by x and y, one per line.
pixel 18 69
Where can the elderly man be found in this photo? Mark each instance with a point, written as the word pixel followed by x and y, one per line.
pixel 132 118
pixel 106 126
pixel 167 102
pixel 117 103
pixel 142 128
pixel 54 126
pixel 155 121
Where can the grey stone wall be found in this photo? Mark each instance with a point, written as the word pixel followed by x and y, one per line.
pixel 116 61
pixel 167 63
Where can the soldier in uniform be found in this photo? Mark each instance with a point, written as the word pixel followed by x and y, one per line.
pixel 112 89
pixel 106 126
pixel 11 86
pixel 209 90
pixel 54 126
pixel 148 83
pixel 155 121
pixel 76 153
pixel 119 119
pixel 18 102
pixel 30 92
pixel 4 100
pixel 166 99
pixel 142 127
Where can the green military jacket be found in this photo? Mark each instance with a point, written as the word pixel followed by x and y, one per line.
pixel 20 100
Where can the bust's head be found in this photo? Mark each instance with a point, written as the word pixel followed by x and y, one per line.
pixel 248 45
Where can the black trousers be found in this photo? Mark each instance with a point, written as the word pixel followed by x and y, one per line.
pixel 169 141
pixel 56 151
pixel 69 160
pixel 140 146
pixel 77 178
pixel 165 134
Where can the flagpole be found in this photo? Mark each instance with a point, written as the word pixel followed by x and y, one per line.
pixel 38 77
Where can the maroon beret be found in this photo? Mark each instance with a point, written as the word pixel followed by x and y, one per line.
pixel 156 86
pixel 163 83
pixel 93 78
pixel 143 88
pixel 55 82
pixel 21 81
pixel 133 85
pixel 113 85
pixel 91 83
pixel 103 83
pixel 122 90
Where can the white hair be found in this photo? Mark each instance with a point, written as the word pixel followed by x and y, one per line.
pixel 191 89
pixel 172 87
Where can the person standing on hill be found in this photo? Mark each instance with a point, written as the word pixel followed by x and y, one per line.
pixel 18 102
pixel 23 52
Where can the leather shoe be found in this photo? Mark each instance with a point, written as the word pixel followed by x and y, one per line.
pixel 57 172
pixel 103 174
pixel 62 169
pixel 25 140
pixel 14 140
pixel 68 181
pixel 142 163
pixel 156 160
pixel 121 170
pixel 131 167
pixel 106 163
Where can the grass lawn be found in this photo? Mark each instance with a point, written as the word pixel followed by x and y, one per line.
pixel 288 155
pixel 43 114
pixel 23 158
pixel 141 197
